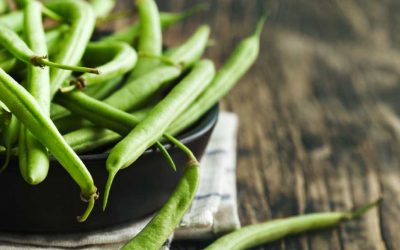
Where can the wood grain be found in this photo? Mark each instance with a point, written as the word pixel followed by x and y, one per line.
pixel 319 113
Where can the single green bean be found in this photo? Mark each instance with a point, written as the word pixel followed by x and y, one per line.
pixel 151 129
pixel 236 66
pixel 150 40
pixel 82 21
pixel 15 45
pixel 168 217
pixel 135 93
pixel 33 156
pixel 254 235
pixel 29 112
pixel 167 19
pixel 9 139
pixel 121 59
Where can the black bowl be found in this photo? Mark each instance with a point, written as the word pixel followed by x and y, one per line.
pixel 52 206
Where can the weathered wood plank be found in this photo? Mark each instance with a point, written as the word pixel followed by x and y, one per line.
pixel 319 113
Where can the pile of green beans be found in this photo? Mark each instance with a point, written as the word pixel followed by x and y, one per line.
pixel 62 94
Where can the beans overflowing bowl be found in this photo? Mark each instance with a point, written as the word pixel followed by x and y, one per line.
pixel 75 113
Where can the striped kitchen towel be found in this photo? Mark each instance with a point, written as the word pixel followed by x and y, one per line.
pixel 213 211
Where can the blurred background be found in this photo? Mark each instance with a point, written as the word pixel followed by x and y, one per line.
pixel 319 112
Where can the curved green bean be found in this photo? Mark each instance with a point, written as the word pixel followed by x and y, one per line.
pixel 254 235
pixel 168 217
pixel 150 39
pixel 135 93
pixel 81 18
pixel 33 157
pixel 121 58
pixel 148 131
pixel 29 112
pixel 236 66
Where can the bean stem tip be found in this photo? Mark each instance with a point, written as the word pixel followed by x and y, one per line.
pixel 91 201
pixel 111 176
pixel 362 210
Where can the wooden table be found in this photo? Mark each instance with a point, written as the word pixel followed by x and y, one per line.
pixel 319 113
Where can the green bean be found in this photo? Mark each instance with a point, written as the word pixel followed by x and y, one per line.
pixel 191 51
pixel 96 111
pixel 148 131
pixel 236 66
pixel 10 138
pixel 62 117
pixel 89 138
pixel 254 235
pixel 82 20
pixel 135 93
pixel 28 112
pixel 121 59
pixel 101 91
pixel 150 40
pixel 167 19
pixel 168 217
pixel 8 62
pixel 14 44
pixel 102 114
pixel 102 8
pixel 33 157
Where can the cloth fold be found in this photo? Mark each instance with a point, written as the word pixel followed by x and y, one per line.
pixel 213 211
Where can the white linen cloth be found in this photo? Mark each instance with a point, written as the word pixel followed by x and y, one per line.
pixel 213 211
